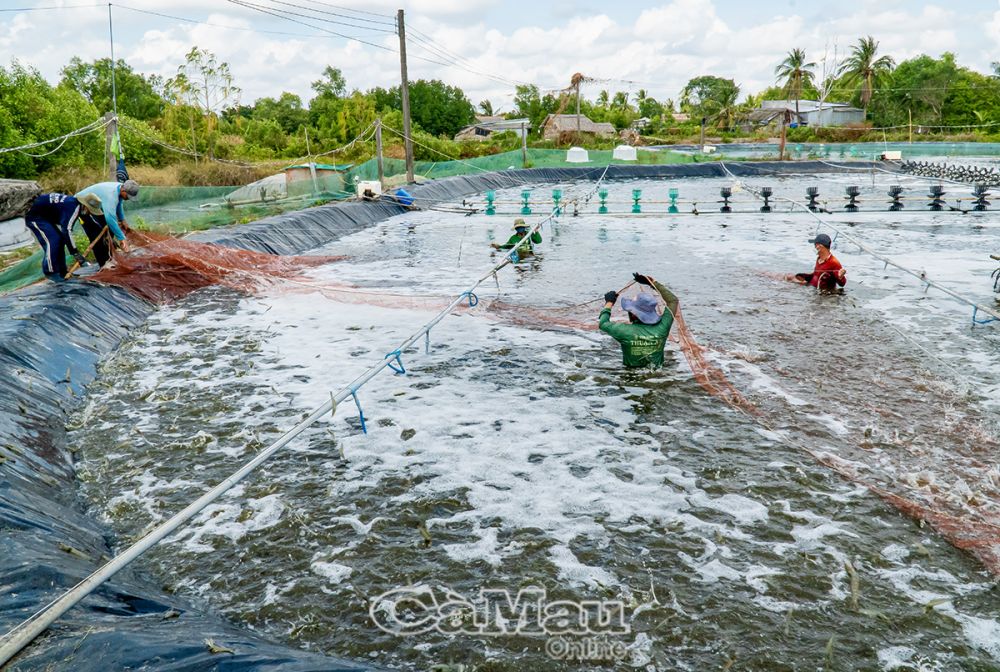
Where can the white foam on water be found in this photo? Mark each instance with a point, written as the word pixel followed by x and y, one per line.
pixel 484 549
pixel 232 521
pixel 333 572
pixel 577 461
pixel 745 510
pixel 572 571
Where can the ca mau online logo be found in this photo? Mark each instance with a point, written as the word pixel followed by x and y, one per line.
pixel 417 610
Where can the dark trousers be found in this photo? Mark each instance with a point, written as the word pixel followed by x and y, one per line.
pixel 92 226
pixel 53 246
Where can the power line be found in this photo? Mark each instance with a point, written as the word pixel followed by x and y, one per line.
pixel 431 48
pixel 267 10
pixel 284 15
pixel 357 11
pixel 470 66
pixel 214 25
pixel 386 21
pixel 317 18
pixel 41 9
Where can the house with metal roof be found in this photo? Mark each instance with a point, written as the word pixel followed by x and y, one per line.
pixel 811 113
pixel 555 125
pixel 487 126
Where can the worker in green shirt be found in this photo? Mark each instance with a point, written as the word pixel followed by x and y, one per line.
pixel 520 231
pixel 644 338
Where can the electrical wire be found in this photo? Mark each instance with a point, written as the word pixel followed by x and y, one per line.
pixel 324 20
pixel 278 14
pixel 214 25
pixel 386 21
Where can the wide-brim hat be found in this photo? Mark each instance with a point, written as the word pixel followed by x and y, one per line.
pixel 519 224
pixel 643 307
pixel 92 203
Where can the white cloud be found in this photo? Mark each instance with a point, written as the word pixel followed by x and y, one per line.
pixel 660 47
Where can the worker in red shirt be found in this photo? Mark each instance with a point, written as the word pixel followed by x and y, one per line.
pixel 828 274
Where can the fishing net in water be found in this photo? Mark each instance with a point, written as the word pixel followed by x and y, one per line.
pixel 711 378
pixel 977 534
pixel 582 316
pixel 161 268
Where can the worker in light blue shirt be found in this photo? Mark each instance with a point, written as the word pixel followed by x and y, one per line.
pixel 112 195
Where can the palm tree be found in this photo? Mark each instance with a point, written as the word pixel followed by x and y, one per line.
pixel 640 97
pixel 486 107
pixel 620 101
pixel 602 99
pixel 863 66
pixel 796 73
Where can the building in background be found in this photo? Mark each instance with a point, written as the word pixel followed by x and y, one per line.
pixel 487 126
pixel 556 126
pixel 811 113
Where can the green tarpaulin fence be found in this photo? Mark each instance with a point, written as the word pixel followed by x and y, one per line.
pixel 181 209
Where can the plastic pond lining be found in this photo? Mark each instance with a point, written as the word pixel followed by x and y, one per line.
pixel 52 338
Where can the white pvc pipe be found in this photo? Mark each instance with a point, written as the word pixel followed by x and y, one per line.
pixel 23 634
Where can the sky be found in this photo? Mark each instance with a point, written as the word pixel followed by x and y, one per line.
pixel 486 47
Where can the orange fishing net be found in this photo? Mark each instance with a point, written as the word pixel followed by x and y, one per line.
pixel 582 316
pixel 161 268
pixel 979 534
pixel 711 378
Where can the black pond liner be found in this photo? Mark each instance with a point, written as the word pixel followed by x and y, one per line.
pixel 52 338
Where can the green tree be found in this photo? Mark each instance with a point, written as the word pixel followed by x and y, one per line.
pixel 602 99
pixel 486 108
pixel 528 102
pixel 712 98
pixel 287 111
pixel 865 67
pixel 620 101
pixel 138 96
pixel 795 72
pixel 204 86
pixel 649 107
pixel 32 110
pixel 972 99
pixel 438 108
pixel 920 87
pixel 332 85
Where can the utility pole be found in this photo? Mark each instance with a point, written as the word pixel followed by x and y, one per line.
pixel 703 122
pixel 577 113
pixel 378 152
pixel 524 146
pixel 405 93
pixel 312 163
pixel 910 113
pixel 110 131
pixel 785 116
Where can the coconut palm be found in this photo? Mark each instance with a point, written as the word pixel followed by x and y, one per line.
pixel 640 97
pixel 863 66
pixel 602 99
pixel 486 107
pixel 795 73
pixel 620 101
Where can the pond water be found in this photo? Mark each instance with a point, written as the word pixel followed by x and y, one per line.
pixel 519 453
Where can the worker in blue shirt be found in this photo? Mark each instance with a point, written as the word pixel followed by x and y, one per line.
pixel 50 219
pixel 112 195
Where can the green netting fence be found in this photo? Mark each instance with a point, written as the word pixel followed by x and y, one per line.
pixel 182 209
pixel 536 158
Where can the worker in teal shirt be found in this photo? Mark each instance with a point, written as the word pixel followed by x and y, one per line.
pixel 112 195
pixel 645 337
pixel 520 231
